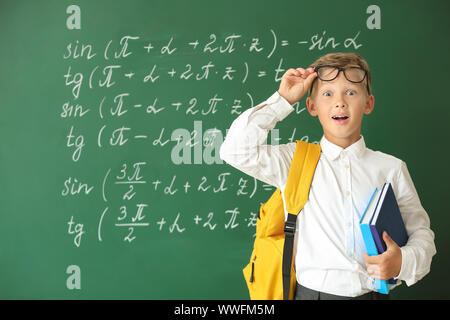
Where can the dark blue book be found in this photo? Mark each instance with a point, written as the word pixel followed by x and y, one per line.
pixel 387 217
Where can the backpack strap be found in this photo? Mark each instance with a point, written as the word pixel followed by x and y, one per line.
pixel 296 193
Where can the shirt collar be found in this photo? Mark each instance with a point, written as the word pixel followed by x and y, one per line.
pixel 333 151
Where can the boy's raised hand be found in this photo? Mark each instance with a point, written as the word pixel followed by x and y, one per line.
pixel 295 83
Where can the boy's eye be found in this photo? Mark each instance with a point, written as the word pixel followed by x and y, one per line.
pixel 328 93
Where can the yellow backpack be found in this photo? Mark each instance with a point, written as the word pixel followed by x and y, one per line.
pixel 270 274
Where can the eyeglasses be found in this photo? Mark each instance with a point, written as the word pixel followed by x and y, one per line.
pixel 352 74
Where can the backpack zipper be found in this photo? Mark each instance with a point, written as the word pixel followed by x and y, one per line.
pixel 253 269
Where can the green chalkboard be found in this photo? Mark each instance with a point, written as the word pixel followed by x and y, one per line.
pixel 112 115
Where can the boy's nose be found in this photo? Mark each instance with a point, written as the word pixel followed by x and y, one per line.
pixel 339 103
pixel 339 100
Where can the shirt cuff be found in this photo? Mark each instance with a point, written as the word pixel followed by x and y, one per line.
pixel 279 106
pixel 406 270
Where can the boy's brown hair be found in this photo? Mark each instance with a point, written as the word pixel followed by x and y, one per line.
pixel 343 59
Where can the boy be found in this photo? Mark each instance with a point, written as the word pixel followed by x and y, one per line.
pixel 332 262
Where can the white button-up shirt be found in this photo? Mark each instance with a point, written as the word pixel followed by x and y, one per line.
pixel 329 250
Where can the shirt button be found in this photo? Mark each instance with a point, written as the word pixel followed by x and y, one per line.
pixel 346 166
pixel 344 153
pixel 347 193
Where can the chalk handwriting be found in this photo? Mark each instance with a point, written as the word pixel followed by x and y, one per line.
pixel 160 109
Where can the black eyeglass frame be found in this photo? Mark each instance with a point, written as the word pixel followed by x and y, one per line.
pixel 316 69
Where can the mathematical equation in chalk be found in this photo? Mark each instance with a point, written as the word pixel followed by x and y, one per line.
pixel 132 219
pixel 119 106
pixel 191 147
pixel 234 183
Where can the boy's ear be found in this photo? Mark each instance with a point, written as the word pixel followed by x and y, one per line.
pixel 311 107
pixel 370 104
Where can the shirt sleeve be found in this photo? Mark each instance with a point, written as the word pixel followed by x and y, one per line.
pixel 420 248
pixel 244 148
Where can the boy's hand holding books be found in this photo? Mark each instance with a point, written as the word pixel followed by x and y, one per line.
pixel 386 265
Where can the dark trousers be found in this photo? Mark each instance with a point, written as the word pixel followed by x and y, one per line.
pixel 303 293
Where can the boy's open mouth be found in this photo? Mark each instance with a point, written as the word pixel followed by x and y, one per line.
pixel 340 119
